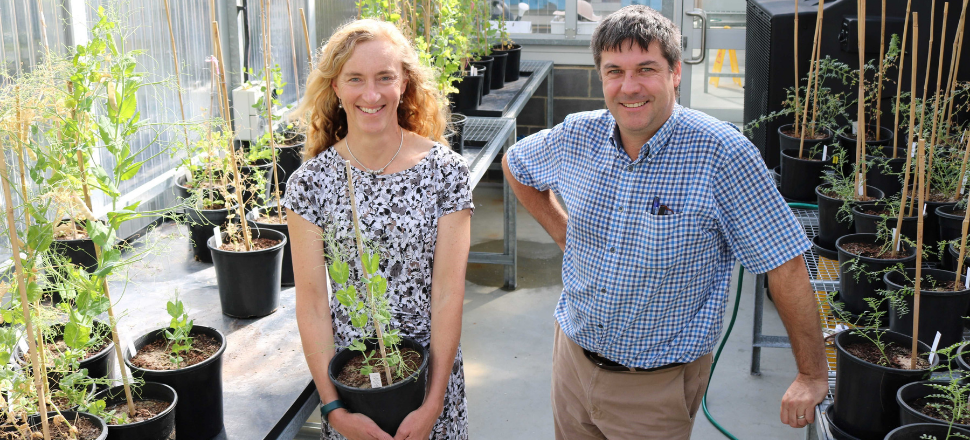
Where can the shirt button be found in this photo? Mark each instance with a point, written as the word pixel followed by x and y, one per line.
pixel 612 250
pixel 602 290
pixel 599 325
pixel 629 168
pixel 619 208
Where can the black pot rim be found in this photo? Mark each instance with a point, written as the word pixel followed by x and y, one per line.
pixel 66 414
pixel 514 47
pixel 251 215
pixel 171 405
pixel 962 362
pixel 925 271
pixel 840 240
pixel 17 353
pixel 282 237
pixel 918 425
pixel 869 188
pixel 463 118
pixel 920 344
pixel 856 211
pixel 795 157
pixel 946 210
pixel 826 130
pixel 881 128
pixel 425 354
pixel 902 403
pixel 825 252
pixel 157 334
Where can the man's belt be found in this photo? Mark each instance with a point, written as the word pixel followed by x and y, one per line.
pixel 607 364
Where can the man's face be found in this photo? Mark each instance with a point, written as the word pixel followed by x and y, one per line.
pixel 640 89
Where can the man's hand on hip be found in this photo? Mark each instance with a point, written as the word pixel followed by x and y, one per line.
pixel 798 404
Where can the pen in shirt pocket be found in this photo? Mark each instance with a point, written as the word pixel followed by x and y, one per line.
pixel 664 210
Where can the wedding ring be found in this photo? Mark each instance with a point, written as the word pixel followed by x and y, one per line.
pixel 800 417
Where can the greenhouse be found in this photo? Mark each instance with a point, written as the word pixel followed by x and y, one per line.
pixel 484 219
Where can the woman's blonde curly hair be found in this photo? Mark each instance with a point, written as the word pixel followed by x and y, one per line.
pixel 421 112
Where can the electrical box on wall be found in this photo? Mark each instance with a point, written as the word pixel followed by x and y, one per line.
pixel 244 115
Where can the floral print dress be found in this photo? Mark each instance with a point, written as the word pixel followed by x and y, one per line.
pixel 399 212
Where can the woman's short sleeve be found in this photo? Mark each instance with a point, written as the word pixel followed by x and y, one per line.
pixel 303 192
pixel 455 193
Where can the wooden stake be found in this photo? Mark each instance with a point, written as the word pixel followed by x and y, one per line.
pixel 926 84
pixel 43 24
pixel 954 67
pixel 306 38
pixel 360 250
pixel 798 79
pixel 223 80
pixel 178 75
pixel 268 99
pixel 818 58
pixel 808 87
pixel 912 120
pixel 899 86
pixel 881 71
pixel 936 102
pixel 919 253
pixel 860 157
pixel 296 71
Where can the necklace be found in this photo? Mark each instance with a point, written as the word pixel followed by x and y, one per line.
pixel 381 170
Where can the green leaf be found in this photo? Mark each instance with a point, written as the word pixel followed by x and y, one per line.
pixel 127 108
pixel 131 171
pixel 358 320
pixel 372 263
pixel 347 296
pixel 76 335
pixel 378 285
pixel 100 233
pixel 357 345
pixel 339 272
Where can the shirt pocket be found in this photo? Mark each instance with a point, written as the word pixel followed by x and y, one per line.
pixel 668 240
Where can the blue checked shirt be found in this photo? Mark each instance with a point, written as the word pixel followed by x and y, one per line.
pixel 648 290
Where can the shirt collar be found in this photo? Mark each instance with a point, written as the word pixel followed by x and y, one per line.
pixel 659 140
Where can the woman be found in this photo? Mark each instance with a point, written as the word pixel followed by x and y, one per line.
pixel 370 102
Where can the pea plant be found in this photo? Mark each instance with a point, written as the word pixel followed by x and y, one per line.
pixel 177 335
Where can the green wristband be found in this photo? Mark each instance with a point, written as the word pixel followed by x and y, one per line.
pixel 325 410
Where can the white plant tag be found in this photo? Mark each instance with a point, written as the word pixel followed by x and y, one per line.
pixel 218 236
pixel 912 151
pixel 855 127
pixel 962 187
pixel 474 71
pixel 924 210
pixel 898 242
pixel 841 328
pixel 966 280
pixel 188 175
pixel 375 380
pixel 860 188
pixel 963 136
pixel 825 152
pixel 936 341
pixel 131 347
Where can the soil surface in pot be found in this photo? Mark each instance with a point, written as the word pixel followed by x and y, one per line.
pixel 55 349
pixel 271 220
pixel 870 135
pixel 885 212
pixel 289 142
pixel 204 184
pixel 834 195
pixel 69 231
pixel 817 135
pixel 931 284
pixel 155 356
pixel 899 357
pixel 144 410
pixel 960 212
pixel 86 430
pixel 939 409
pixel 871 250
pixel 259 243
pixel 937 196
pixel 350 374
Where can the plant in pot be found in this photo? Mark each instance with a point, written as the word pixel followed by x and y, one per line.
pixel 869 219
pixel 507 46
pixel 863 260
pixel 937 401
pixel 835 198
pixel 187 358
pixel 287 144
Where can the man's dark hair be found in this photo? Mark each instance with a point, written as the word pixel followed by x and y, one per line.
pixel 636 24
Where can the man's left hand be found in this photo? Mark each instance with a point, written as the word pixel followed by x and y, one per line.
pixel 798 404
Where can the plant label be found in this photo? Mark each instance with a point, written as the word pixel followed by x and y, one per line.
pixel 936 342
pixel 963 136
pixel 966 280
pixel 474 71
pixel 825 152
pixel 855 126
pixel 897 240
pixel 912 151
pixel 962 187
pixel 218 236
pixel 188 175
pixel 860 188
pixel 131 347
pixel 375 380
pixel 924 210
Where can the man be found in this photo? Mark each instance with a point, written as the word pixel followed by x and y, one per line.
pixel 661 201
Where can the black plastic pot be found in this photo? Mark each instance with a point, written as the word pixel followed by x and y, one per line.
pixel 249 173
pixel 830 228
pixel 786 142
pixel 931 226
pixel 289 159
pixel 286 276
pixel 918 390
pixel 249 282
pixel 79 252
pixel 939 311
pixel 457 125
pixel 199 413
pixel 848 142
pixel 868 223
pixel 386 406
pixel 855 289
pixel 837 432
pixel 512 65
pixel 799 177
pixel 865 392
pixel 951 225
pixel 888 182
pixel 99 365
pixel 201 224
pixel 953 254
pixel 918 431
pixel 469 92
pixel 159 427
pixel 35 423
pixel 484 65
pixel 961 361
pixel 499 60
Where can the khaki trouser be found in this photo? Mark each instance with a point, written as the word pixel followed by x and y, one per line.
pixel 589 402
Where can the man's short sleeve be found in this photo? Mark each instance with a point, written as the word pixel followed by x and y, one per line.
pixel 758 224
pixel 536 160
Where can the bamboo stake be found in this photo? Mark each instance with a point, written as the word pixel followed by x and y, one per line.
pixel 296 70
pixel 217 50
pixel 306 38
pixel 818 58
pixel 963 169
pixel 919 254
pixel 427 21
pixel 268 99
pixel 936 101
pixel 240 206
pixel 881 71
pixel 43 24
pixel 798 79
pixel 860 156
pixel 899 86
pixel 178 75
pixel 955 66
pixel 808 88
pixel 957 285
pixel 912 120
pixel 22 137
pixel 926 83
pixel 360 250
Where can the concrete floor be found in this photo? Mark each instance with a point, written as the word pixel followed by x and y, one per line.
pixel 507 341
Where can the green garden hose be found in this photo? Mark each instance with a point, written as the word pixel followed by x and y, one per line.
pixel 734 317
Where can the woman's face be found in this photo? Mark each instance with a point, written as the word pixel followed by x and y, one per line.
pixel 370 86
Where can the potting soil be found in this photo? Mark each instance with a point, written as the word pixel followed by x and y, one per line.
pixel 85 431
pixel 271 220
pixel 818 134
pixel 54 350
pixel 259 243
pixel 899 357
pixel 69 231
pixel 872 250
pixel 155 356
pixel 144 410
pixel 350 374
pixel 939 409
pixel 930 284
pixel 834 195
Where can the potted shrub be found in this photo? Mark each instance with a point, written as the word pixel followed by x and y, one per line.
pixel 869 219
pixel 863 259
pixel 507 46
pixel 187 358
pixel 944 301
pixel 936 401
pixel 835 199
